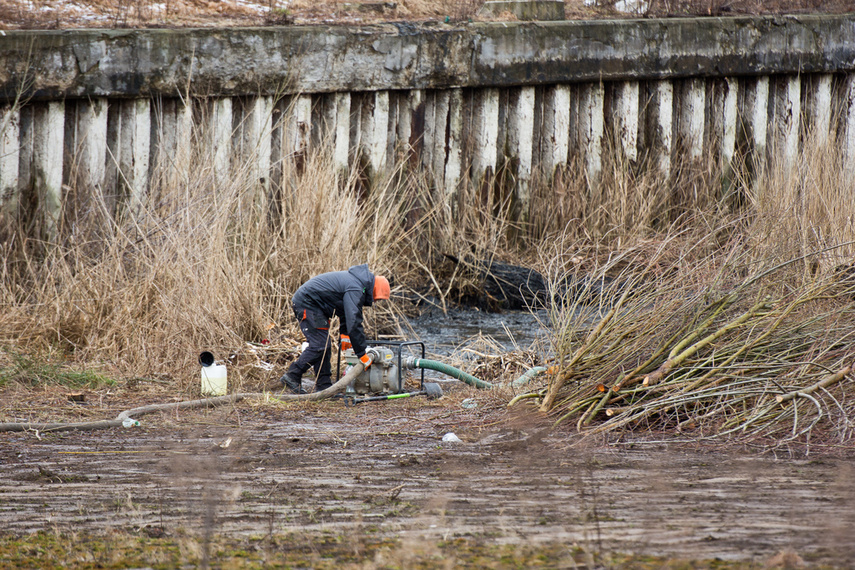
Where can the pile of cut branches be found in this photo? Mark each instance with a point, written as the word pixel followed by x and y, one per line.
pixel 701 351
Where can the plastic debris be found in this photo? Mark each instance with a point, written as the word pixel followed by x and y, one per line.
pixel 130 422
pixel 468 403
pixel 451 437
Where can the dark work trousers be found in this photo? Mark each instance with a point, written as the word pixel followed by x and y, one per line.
pixel 315 328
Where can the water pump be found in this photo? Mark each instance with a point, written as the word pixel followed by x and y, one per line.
pixel 384 380
pixel 382 377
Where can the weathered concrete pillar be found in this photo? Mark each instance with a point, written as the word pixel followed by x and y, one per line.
pixel 48 148
pixel 10 133
pixel 429 132
pixel 222 130
pixel 692 117
pixel 757 114
pixel 140 151
pixel 377 133
pixel 626 112
pixel 729 114
pixel 454 159
pixel 521 145
pixel 435 136
pixel 257 138
pixel 341 132
pixel 592 128
pixel 556 126
pixel 662 143
pixel 408 123
pixel 785 119
pixel 298 131
pixel 485 134
pixel 849 132
pixel 91 144
pixel 820 110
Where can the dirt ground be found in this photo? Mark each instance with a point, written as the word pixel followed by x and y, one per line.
pixel 375 486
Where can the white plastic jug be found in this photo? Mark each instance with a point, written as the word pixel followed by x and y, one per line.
pixel 214 382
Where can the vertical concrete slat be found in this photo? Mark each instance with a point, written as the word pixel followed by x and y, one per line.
pixel 820 117
pixel 439 138
pixel 48 149
pixel 139 154
pixel 791 121
pixel 663 144
pixel 849 130
pixel 729 118
pixel 378 133
pixel 692 117
pixel 592 128
pixel 299 131
pixel 758 119
pixel 222 121
pixel 485 133
pixel 555 128
pixel 454 162
pixel 407 106
pixel 261 144
pixel 561 128
pixel 92 143
pixel 10 133
pixel 626 110
pixel 341 126
pixel 429 130
pixel 521 146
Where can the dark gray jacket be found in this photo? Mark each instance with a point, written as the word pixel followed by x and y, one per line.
pixel 341 293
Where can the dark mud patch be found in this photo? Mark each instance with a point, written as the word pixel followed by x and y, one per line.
pixel 381 472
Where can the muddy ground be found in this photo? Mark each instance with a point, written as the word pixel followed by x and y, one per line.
pixel 285 476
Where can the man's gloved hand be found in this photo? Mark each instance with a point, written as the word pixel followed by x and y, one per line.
pixel 345 342
pixel 368 357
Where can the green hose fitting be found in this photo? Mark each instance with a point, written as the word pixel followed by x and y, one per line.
pixel 449 370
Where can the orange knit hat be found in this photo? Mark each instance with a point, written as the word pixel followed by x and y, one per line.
pixel 381 288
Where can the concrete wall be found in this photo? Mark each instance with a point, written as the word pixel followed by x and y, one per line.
pixel 103 109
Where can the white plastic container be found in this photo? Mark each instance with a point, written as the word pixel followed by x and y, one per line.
pixel 214 382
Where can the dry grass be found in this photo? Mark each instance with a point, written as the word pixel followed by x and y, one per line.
pixel 211 260
pixel 207 262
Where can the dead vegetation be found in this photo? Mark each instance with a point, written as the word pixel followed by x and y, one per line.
pixel 736 328
pixel 643 272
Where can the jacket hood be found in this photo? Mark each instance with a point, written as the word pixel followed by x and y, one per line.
pixel 366 278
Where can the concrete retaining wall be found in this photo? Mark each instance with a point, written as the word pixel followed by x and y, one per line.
pixel 103 109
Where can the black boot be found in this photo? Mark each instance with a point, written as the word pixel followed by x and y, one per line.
pixel 295 385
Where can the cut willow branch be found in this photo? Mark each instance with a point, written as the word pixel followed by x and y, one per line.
pixel 656 377
pixel 824 383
